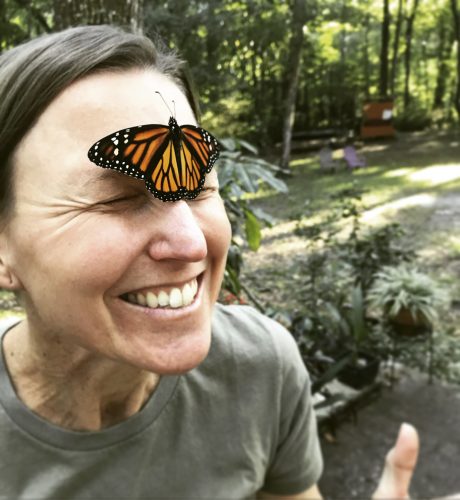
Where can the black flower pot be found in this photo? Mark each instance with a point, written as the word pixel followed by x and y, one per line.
pixel 361 371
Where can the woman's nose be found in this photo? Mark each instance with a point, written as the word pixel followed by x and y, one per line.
pixel 178 234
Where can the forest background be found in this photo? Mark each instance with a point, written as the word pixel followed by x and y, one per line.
pixel 267 67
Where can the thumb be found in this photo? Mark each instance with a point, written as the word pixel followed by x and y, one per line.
pixel 399 466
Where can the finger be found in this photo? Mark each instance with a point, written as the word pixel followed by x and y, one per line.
pixel 399 465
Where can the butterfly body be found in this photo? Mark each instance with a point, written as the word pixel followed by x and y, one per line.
pixel 172 159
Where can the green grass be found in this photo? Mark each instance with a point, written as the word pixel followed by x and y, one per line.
pixel 405 181
pixel 381 183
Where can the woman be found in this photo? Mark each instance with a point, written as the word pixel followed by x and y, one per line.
pixel 113 387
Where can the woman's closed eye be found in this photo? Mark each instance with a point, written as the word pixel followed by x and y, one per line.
pixel 125 201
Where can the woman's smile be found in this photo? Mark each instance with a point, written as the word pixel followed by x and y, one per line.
pixel 167 302
pixel 173 295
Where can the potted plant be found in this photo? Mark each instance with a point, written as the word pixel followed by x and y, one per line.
pixel 408 299
pixel 359 349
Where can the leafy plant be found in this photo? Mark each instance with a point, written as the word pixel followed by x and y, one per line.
pixel 241 172
pixel 338 270
pixel 403 287
pixel 367 250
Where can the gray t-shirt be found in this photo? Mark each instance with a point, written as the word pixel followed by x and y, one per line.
pixel 240 422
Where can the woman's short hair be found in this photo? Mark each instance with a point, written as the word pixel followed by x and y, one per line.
pixel 35 72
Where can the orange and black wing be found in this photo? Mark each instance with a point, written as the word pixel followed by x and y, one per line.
pixel 203 147
pixel 180 170
pixel 131 150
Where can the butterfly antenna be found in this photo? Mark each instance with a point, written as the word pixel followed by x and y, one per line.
pixel 174 106
pixel 166 104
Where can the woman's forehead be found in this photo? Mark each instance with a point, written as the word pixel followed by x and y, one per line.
pixel 114 100
pixel 103 103
pixel 89 109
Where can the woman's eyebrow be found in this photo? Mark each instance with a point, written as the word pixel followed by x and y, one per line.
pixel 104 177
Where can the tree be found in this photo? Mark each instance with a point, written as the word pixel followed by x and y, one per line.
pixel 246 57
pixel 456 16
pixel 384 49
pixel 444 50
pixel 121 12
pixel 396 37
pixel 299 18
pixel 410 18
pixel 36 13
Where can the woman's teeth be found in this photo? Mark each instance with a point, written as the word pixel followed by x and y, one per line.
pixel 177 297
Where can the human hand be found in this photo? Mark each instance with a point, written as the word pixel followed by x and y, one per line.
pixel 399 466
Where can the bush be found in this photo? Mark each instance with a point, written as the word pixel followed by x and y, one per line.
pixel 414 118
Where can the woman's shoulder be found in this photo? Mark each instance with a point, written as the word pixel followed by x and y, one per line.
pixel 250 334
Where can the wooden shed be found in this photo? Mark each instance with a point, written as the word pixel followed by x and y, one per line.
pixel 377 119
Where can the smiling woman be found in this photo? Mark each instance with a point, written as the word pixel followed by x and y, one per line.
pixel 126 379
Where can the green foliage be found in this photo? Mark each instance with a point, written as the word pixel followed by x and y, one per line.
pixel 237 54
pixel 340 267
pixel 367 250
pixel 403 287
pixel 253 232
pixel 241 171
pixel 414 118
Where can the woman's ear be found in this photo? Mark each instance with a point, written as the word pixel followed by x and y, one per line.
pixel 8 278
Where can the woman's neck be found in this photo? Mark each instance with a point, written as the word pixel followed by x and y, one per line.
pixel 70 386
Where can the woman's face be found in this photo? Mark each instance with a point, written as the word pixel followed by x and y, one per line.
pixel 89 246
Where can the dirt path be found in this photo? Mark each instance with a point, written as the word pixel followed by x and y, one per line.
pixel 354 461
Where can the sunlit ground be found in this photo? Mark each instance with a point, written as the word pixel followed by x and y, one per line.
pixel 436 175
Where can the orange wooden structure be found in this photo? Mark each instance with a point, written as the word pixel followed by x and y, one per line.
pixel 377 119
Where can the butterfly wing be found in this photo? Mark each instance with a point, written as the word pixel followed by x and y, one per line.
pixel 179 172
pixel 202 146
pixel 165 179
pixel 131 150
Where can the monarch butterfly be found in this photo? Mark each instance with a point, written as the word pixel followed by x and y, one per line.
pixel 172 159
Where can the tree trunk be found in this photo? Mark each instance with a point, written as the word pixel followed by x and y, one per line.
pixel 395 58
pixel 366 62
pixel 445 37
pixel 299 17
pixel 126 13
pixel 338 98
pixel 384 49
pixel 456 16
pixel 407 54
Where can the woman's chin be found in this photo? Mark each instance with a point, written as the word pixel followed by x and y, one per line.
pixel 178 357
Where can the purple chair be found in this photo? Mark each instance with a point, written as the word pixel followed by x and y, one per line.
pixel 352 158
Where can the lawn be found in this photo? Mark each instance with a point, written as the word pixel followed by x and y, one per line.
pixel 414 180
